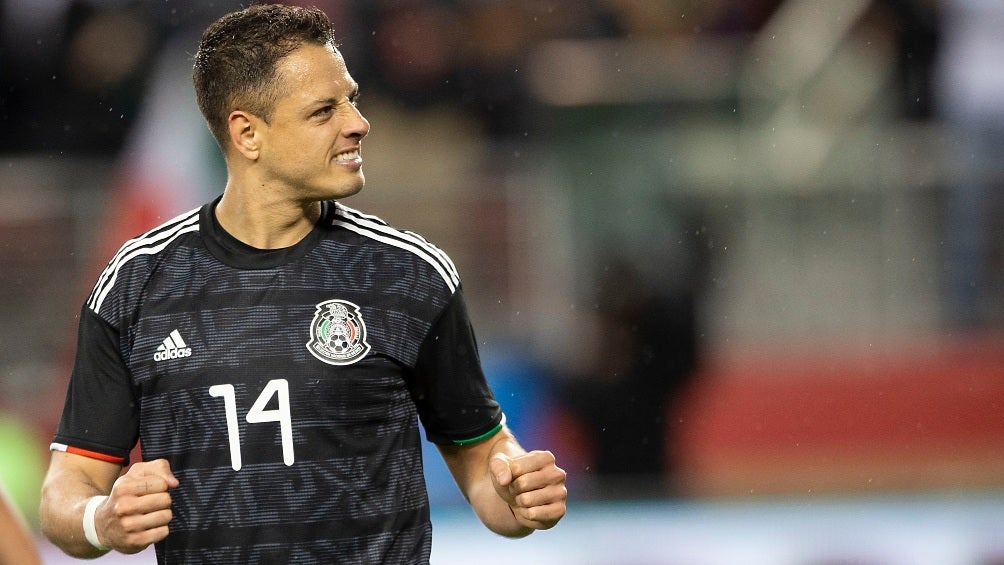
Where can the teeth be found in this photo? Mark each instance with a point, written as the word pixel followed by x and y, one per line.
pixel 347 156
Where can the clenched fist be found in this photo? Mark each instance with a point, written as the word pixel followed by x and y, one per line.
pixel 138 510
pixel 532 485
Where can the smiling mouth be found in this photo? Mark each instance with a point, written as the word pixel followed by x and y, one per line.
pixel 348 156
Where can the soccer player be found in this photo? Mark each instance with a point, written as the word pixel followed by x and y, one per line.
pixel 273 350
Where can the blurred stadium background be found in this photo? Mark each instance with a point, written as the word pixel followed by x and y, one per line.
pixel 736 262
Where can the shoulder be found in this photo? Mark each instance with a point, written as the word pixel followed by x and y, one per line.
pixel 135 255
pixel 409 243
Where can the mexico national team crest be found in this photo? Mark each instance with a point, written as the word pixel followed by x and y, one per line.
pixel 337 333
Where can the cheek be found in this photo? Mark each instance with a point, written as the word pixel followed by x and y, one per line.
pixel 302 149
pixel 317 141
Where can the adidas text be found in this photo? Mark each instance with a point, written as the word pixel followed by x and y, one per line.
pixel 172 354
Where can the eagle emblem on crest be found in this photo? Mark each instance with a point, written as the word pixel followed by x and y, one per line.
pixel 337 333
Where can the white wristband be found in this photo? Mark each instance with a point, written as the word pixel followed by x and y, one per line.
pixel 90 532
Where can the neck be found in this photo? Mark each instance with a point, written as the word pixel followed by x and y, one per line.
pixel 266 223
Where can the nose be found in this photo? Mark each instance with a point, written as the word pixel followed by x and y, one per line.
pixel 358 126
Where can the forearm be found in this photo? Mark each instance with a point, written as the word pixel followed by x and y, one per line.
pixel 65 493
pixel 63 527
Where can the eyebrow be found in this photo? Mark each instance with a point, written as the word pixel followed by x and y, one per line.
pixel 334 100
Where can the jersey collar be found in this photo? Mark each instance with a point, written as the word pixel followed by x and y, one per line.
pixel 235 253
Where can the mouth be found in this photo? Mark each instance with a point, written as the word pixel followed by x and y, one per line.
pixel 348 157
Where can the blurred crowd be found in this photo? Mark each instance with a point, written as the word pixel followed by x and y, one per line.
pixel 74 71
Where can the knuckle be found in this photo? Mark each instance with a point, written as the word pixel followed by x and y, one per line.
pixel 118 508
pixel 517 485
pixel 557 475
pixel 532 513
pixel 131 526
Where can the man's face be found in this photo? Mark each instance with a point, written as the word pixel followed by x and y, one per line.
pixel 311 144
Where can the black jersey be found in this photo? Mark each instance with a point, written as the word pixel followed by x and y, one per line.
pixel 283 386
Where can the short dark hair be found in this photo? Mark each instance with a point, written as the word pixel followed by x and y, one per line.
pixel 235 66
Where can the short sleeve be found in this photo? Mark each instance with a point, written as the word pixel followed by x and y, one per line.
pixel 454 401
pixel 101 415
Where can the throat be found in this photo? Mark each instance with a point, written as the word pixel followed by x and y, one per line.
pixel 268 227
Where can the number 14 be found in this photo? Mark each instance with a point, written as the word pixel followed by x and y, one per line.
pixel 256 415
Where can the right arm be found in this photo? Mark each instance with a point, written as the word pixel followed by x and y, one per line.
pixel 134 516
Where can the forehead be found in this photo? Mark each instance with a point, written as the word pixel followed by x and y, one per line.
pixel 315 70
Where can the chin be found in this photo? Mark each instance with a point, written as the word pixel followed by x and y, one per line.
pixel 343 190
pixel 355 189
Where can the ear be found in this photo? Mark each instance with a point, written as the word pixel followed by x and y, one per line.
pixel 244 134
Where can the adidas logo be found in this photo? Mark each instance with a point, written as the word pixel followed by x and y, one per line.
pixel 174 347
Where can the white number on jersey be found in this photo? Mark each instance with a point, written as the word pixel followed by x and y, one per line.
pixel 257 415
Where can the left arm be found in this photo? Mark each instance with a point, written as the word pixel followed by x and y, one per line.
pixel 513 492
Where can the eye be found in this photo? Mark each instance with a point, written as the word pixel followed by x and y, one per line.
pixel 323 111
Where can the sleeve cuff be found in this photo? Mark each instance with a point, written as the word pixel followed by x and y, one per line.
pixel 498 427
pixel 55 446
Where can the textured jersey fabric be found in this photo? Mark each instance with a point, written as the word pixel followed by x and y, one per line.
pixel 283 386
